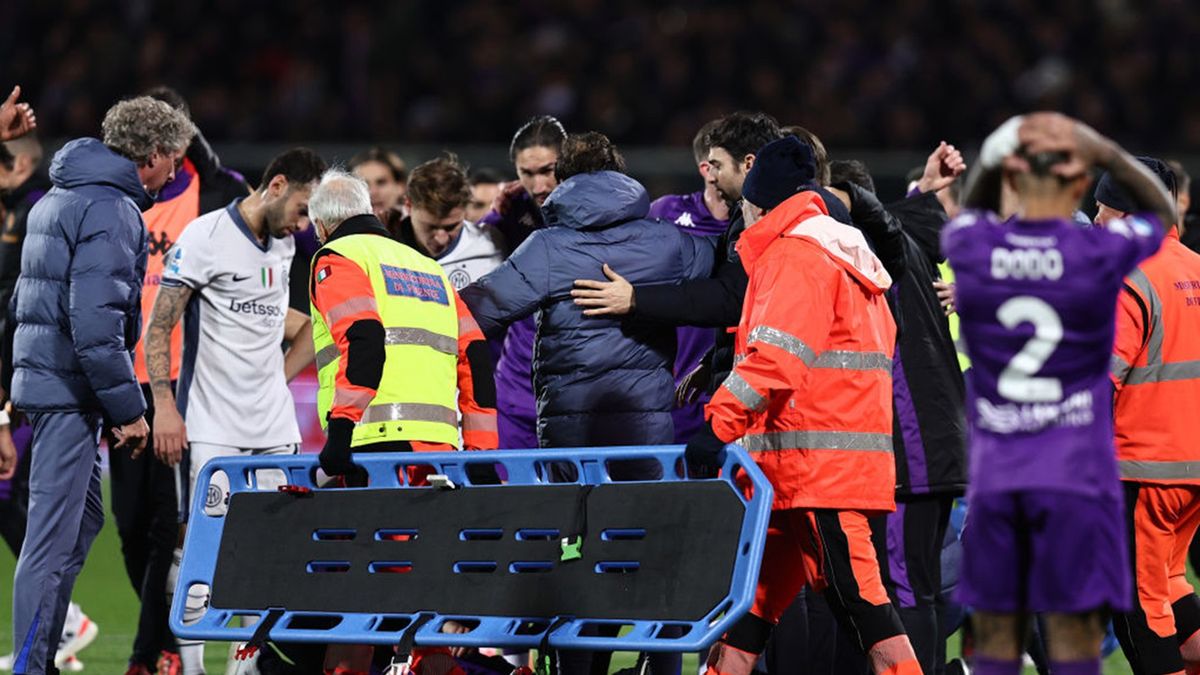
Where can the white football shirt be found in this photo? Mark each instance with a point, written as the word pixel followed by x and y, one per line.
pixel 479 249
pixel 232 389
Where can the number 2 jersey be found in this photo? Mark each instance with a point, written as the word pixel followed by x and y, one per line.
pixel 1037 301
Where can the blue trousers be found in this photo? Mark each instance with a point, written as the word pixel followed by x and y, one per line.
pixel 65 515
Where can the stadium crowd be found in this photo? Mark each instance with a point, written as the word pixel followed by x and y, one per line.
pixel 868 71
pixel 157 298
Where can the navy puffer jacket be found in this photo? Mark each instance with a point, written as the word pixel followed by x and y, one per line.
pixel 598 381
pixel 77 302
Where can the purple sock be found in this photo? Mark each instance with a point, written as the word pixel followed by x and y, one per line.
pixel 1089 667
pixel 981 665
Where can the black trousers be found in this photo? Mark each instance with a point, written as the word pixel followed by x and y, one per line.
pixel 145 507
pixel 909 545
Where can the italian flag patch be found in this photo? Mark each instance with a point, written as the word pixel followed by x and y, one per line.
pixel 324 273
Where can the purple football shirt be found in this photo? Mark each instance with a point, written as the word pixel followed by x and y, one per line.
pixel 1037 302
pixel 691 215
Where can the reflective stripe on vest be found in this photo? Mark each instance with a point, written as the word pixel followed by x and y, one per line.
pixel 1155 369
pixel 1142 470
pixel 818 440
pixel 412 412
pixel 400 336
pixel 417 396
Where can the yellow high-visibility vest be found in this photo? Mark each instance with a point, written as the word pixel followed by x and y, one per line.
pixel 964 361
pixel 416 399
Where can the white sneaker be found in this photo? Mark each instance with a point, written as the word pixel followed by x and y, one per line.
pixel 71 664
pixel 78 633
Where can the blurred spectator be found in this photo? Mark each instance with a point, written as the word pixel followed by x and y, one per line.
pixel 16 118
pixel 873 75
pixel 485 188
pixel 1189 230
pixel 386 175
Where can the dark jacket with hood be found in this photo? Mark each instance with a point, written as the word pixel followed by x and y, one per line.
pixel 76 306
pixel 928 393
pixel 598 381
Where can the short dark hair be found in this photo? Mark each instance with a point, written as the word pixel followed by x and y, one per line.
pixel 541 131
pixel 587 153
pixel 439 186
pixel 700 141
pixel 385 157
pixel 744 133
pixel 300 166
pixel 169 96
pixel 843 171
pixel 1183 181
pixel 484 176
pixel 820 156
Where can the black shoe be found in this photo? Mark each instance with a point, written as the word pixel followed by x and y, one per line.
pixel 957 667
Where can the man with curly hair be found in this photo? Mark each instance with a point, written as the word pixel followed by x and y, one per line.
pixel 76 308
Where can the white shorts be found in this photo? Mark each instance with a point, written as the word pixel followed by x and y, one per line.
pixel 216 501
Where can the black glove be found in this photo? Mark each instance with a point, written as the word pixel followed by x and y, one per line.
pixel 335 456
pixel 705 452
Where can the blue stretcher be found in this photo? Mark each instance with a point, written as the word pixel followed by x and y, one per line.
pixel 550 557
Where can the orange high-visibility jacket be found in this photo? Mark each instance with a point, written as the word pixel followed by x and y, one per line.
pixel 1156 368
pixel 810 395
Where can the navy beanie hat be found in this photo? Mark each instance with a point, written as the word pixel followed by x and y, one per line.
pixel 1116 197
pixel 781 169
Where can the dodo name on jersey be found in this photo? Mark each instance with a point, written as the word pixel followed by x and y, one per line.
pixel 1027 264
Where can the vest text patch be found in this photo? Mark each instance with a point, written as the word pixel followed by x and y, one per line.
pixel 420 285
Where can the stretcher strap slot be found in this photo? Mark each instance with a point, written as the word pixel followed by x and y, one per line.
pixel 475 567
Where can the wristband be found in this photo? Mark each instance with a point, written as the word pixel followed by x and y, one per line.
pixel 1003 142
pixel 4 418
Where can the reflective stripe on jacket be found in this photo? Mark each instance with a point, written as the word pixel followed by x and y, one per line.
pixel 1156 368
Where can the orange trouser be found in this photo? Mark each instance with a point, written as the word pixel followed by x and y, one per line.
pixel 1162 520
pixel 829 551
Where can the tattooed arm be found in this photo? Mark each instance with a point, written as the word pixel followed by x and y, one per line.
pixel 298 332
pixel 170 435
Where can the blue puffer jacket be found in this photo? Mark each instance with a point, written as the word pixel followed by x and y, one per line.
pixel 598 381
pixel 77 301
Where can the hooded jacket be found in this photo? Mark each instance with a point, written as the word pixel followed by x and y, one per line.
pixel 76 307
pixel 598 381
pixel 810 395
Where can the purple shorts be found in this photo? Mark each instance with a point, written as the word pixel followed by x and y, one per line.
pixel 1044 551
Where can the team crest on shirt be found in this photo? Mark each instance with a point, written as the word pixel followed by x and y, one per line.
pixel 411 283
pixel 213 498
pixel 459 279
